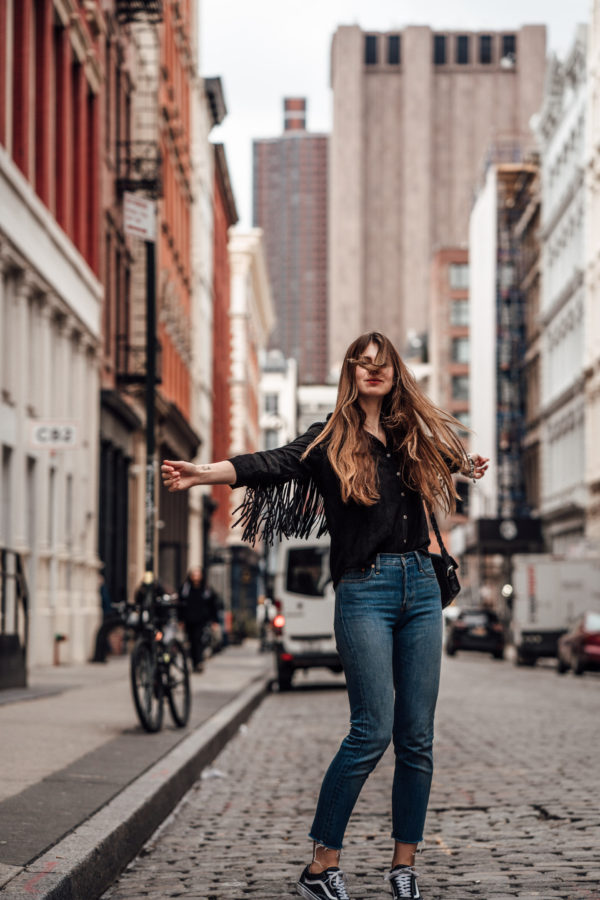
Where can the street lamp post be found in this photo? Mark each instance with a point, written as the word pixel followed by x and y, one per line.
pixel 150 505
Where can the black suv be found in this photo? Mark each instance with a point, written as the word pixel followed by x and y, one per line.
pixel 476 629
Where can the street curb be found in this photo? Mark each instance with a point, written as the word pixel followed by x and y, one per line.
pixel 86 862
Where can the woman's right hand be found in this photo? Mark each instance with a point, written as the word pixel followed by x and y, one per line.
pixel 178 475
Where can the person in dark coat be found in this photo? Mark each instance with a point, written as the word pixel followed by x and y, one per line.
pixel 199 610
pixel 111 619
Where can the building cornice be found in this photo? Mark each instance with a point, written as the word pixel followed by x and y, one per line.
pixel 570 195
pixel 222 174
pixel 574 391
pixel 575 281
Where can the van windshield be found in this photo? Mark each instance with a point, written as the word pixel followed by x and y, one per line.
pixel 307 571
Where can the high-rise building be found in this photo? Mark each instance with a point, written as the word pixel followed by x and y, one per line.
pixel 414 115
pixel 290 205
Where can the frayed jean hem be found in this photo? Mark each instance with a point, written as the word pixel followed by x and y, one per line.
pixel 327 846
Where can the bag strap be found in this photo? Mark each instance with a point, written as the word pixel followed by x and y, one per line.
pixel 448 561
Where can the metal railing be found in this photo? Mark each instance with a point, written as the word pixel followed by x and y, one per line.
pixel 14 619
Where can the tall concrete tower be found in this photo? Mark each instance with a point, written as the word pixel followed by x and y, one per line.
pixel 414 115
pixel 290 205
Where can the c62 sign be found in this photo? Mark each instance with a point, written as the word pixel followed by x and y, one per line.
pixel 53 435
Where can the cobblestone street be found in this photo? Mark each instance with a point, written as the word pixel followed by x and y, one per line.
pixel 513 811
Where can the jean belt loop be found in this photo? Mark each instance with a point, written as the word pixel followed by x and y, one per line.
pixel 419 559
pixel 378 564
pixel 404 580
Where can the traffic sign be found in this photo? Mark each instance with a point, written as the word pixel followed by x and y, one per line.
pixel 139 216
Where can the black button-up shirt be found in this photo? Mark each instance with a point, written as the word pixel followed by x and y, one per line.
pixel 395 524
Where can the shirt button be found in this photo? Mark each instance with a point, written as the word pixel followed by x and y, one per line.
pixel 402 493
pixel 405 540
pixel 398 473
pixel 405 517
pixel 388 455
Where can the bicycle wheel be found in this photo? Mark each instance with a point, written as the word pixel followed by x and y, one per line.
pixel 146 686
pixel 178 684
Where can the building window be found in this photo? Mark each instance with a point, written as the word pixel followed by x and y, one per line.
pixel 459 312
pixel 371 49
pixel 485 49
pixel 464 418
pixel 460 387
pixel 271 438
pixel 462 49
pixel 393 56
pixel 509 49
pixel 272 404
pixel 459 276
pixel 460 349
pixel 439 49
pixel 462 503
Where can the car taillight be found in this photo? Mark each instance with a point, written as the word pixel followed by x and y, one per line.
pixel 591 637
pixel 497 627
pixel 286 657
pixel 279 621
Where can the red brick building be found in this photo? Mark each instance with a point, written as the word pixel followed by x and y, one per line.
pixel 50 107
pixel 449 347
pixel 150 67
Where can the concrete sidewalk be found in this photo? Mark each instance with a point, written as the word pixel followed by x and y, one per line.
pixel 82 786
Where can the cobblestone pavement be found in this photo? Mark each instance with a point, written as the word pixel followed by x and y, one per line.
pixel 514 809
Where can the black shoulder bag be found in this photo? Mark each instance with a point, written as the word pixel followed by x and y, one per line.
pixel 444 566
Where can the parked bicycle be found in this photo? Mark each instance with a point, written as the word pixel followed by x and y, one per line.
pixel 159 664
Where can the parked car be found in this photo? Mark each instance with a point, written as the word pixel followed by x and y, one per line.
pixel 579 648
pixel 476 629
pixel 305 601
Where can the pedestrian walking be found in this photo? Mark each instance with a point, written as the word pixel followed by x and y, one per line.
pixel 366 475
pixel 199 611
pixel 111 620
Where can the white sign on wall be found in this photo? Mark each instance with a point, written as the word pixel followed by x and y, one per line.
pixel 53 435
pixel 139 216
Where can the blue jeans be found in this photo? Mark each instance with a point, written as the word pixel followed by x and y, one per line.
pixel 388 628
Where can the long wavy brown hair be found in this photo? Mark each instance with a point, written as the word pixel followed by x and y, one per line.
pixel 420 432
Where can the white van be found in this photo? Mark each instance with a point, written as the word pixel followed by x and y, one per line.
pixel 304 595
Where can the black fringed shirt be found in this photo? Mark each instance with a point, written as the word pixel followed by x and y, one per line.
pixel 395 524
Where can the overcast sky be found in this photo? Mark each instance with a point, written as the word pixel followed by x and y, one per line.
pixel 267 49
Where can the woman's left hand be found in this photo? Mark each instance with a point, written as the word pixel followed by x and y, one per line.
pixel 481 465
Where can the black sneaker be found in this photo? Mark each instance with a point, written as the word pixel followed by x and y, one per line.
pixel 327 885
pixel 404 883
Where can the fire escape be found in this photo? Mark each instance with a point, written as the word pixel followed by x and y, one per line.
pixel 139 170
pixel 511 347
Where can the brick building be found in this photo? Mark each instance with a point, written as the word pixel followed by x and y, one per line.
pixel 51 95
pixel 290 205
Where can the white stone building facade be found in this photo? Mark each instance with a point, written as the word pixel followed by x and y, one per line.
pixel 252 317
pixel 592 283
pixel 278 399
pixel 49 334
pixel 561 131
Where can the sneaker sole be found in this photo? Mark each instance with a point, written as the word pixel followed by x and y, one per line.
pixel 305 891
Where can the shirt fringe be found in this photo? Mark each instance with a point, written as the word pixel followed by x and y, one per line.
pixel 292 509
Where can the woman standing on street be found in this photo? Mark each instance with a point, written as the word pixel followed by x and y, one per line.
pixel 366 476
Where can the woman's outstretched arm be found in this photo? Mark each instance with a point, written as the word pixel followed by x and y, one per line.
pixel 178 475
